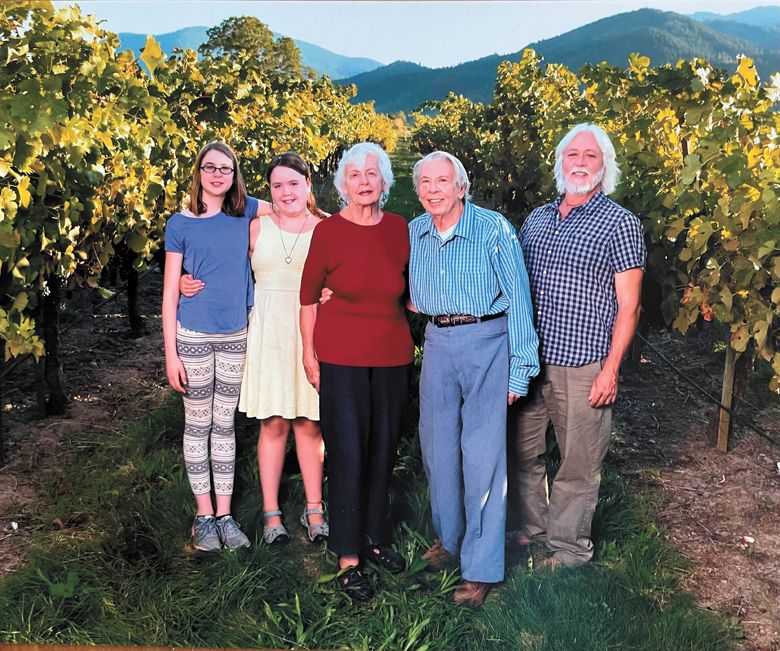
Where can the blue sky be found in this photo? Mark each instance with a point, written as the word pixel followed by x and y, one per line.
pixel 434 34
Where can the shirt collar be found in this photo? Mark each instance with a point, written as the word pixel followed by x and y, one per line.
pixel 464 227
pixel 593 202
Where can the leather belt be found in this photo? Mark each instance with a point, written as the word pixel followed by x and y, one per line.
pixel 450 320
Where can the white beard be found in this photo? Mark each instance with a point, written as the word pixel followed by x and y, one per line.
pixel 583 188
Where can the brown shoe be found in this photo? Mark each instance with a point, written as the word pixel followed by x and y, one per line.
pixel 438 558
pixel 471 593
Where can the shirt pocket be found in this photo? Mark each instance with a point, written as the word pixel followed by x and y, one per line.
pixel 586 254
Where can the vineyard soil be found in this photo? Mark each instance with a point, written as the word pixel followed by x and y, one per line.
pixel 708 504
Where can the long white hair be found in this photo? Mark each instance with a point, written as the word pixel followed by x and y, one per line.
pixel 611 169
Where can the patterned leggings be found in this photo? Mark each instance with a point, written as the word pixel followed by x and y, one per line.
pixel 215 367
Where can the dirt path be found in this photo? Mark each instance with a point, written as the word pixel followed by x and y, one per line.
pixel 712 504
pixel 709 503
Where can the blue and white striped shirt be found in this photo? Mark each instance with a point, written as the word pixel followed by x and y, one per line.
pixel 572 263
pixel 479 270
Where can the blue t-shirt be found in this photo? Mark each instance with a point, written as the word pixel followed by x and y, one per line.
pixel 215 250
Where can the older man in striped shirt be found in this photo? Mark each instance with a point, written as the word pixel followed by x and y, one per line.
pixel 466 274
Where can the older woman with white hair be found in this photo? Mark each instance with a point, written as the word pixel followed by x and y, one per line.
pixel 357 352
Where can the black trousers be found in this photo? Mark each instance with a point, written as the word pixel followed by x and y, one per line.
pixel 361 412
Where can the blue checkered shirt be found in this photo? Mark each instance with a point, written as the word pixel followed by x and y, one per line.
pixel 572 264
pixel 479 270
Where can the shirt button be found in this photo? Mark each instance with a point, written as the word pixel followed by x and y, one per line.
pixel 556 232
pixel 541 293
pixel 544 273
pixel 549 252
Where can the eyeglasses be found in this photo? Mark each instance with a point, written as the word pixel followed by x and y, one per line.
pixel 210 169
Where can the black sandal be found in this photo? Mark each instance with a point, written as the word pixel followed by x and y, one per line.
pixel 355 584
pixel 385 557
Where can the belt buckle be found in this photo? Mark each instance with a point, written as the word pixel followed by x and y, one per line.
pixel 443 320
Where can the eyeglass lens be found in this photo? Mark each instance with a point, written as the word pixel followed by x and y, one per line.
pixel 210 169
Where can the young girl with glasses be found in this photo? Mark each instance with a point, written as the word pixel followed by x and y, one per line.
pixel 205 335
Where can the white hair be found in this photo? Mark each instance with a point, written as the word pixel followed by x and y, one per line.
pixel 611 170
pixel 356 156
pixel 461 177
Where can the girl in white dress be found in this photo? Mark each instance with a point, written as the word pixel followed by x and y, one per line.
pixel 275 388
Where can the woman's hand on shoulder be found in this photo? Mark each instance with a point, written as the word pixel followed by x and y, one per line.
pixel 189 286
pixel 264 208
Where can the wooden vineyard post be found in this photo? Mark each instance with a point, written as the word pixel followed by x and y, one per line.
pixel 724 423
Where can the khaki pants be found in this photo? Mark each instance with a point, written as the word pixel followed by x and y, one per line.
pixel 558 396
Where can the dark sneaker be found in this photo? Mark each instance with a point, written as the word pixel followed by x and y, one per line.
pixel 204 534
pixel 230 533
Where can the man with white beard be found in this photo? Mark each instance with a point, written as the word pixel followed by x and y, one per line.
pixel 585 256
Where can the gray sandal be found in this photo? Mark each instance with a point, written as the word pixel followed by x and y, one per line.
pixel 315 532
pixel 276 534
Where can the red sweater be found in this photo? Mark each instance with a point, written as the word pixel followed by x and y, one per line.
pixel 364 323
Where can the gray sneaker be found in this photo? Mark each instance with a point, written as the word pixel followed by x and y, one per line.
pixel 204 534
pixel 230 533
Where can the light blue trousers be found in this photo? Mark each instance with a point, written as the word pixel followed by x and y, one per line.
pixel 463 392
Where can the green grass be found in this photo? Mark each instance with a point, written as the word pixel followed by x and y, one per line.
pixel 403 199
pixel 121 571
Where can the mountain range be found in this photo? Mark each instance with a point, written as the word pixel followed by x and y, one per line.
pixel 323 61
pixel 664 36
pixel 758 16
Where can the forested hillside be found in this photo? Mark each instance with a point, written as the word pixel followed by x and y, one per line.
pixel 664 36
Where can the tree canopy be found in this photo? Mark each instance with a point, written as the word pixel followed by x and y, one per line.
pixel 245 38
